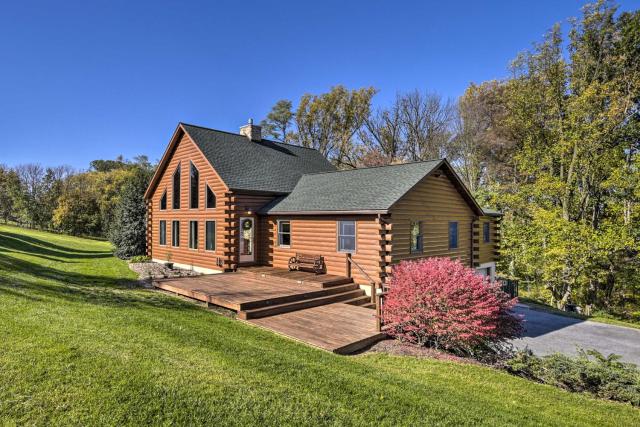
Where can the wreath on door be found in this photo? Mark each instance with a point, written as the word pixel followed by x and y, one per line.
pixel 247 224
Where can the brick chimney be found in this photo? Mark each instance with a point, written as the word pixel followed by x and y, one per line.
pixel 251 131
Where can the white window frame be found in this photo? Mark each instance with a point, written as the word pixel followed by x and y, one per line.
pixel 280 245
pixel 215 234
pixel 355 236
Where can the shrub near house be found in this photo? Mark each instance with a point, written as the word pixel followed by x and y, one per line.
pixel 441 303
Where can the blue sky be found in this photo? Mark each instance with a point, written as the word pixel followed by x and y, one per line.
pixel 87 80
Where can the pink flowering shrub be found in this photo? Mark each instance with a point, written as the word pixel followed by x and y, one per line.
pixel 441 303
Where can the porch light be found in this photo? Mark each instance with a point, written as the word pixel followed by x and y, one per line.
pixel 248 210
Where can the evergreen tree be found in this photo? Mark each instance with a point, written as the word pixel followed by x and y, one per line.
pixel 129 229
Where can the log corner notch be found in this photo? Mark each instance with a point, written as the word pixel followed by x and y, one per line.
pixel 149 226
pixel 474 256
pixel 231 225
pixel 385 228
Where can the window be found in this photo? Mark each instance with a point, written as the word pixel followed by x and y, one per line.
pixel 453 235
pixel 211 198
pixel 193 234
pixel 416 237
pixel 210 235
pixel 194 184
pixel 346 236
pixel 176 188
pixel 163 232
pixel 284 233
pixel 175 233
pixel 486 232
pixel 163 201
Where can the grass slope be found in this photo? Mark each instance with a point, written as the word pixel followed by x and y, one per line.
pixel 80 345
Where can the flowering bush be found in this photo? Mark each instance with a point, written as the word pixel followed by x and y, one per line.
pixel 441 303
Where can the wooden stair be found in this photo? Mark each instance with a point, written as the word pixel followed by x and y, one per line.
pixel 301 303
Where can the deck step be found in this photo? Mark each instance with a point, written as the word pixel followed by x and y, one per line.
pixel 299 305
pixel 369 305
pixel 361 300
pixel 321 292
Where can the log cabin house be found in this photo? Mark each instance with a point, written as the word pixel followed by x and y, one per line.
pixel 221 201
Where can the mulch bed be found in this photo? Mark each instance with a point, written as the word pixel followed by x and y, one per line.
pixel 397 348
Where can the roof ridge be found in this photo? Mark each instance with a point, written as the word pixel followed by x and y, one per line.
pixel 239 134
pixel 376 167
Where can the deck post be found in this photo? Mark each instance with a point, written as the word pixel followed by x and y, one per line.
pixel 348 265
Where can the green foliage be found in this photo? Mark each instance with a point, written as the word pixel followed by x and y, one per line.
pixel 279 121
pixel 590 372
pixel 139 258
pixel 83 345
pixel 330 121
pixel 128 232
pixel 569 181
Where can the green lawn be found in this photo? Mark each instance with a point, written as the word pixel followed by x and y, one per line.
pixel 80 345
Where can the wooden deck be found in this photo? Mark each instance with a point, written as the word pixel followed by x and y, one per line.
pixel 325 311
pixel 339 328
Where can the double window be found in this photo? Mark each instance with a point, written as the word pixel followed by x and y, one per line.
pixel 210 235
pixel 453 235
pixel 346 236
pixel 193 234
pixel 176 188
pixel 284 234
pixel 416 237
pixel 194 184
pixel 175 233
pixel 486 232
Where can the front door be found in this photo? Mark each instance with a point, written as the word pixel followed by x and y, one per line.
pixel 247 240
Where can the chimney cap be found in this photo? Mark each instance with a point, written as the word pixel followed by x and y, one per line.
pixel 250 121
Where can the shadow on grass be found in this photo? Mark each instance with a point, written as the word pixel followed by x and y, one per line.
pixel 38 247
pixel 35 282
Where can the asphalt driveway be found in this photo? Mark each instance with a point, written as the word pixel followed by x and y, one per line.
pixel 548 333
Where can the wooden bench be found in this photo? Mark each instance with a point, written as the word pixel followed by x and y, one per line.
pixel 313 263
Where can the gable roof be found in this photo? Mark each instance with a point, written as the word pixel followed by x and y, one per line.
pixel 262 166
pixel 244 165
pixel 365 190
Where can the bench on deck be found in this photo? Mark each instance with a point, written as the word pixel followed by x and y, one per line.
pixel 313 263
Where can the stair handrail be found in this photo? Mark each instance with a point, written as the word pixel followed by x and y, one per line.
pixel 375 299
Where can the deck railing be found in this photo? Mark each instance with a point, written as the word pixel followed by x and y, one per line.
pixel 375 298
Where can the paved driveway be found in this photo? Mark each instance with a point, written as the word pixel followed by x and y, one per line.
pixel 548 333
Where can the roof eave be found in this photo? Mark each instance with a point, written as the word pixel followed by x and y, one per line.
pixel 329 212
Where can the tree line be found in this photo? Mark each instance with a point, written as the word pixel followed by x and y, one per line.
pixel 554 146
pixel 105 201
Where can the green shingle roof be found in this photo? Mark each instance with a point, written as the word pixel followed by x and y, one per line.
pixel 264 166
pixel 367 189
pixel 491 212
